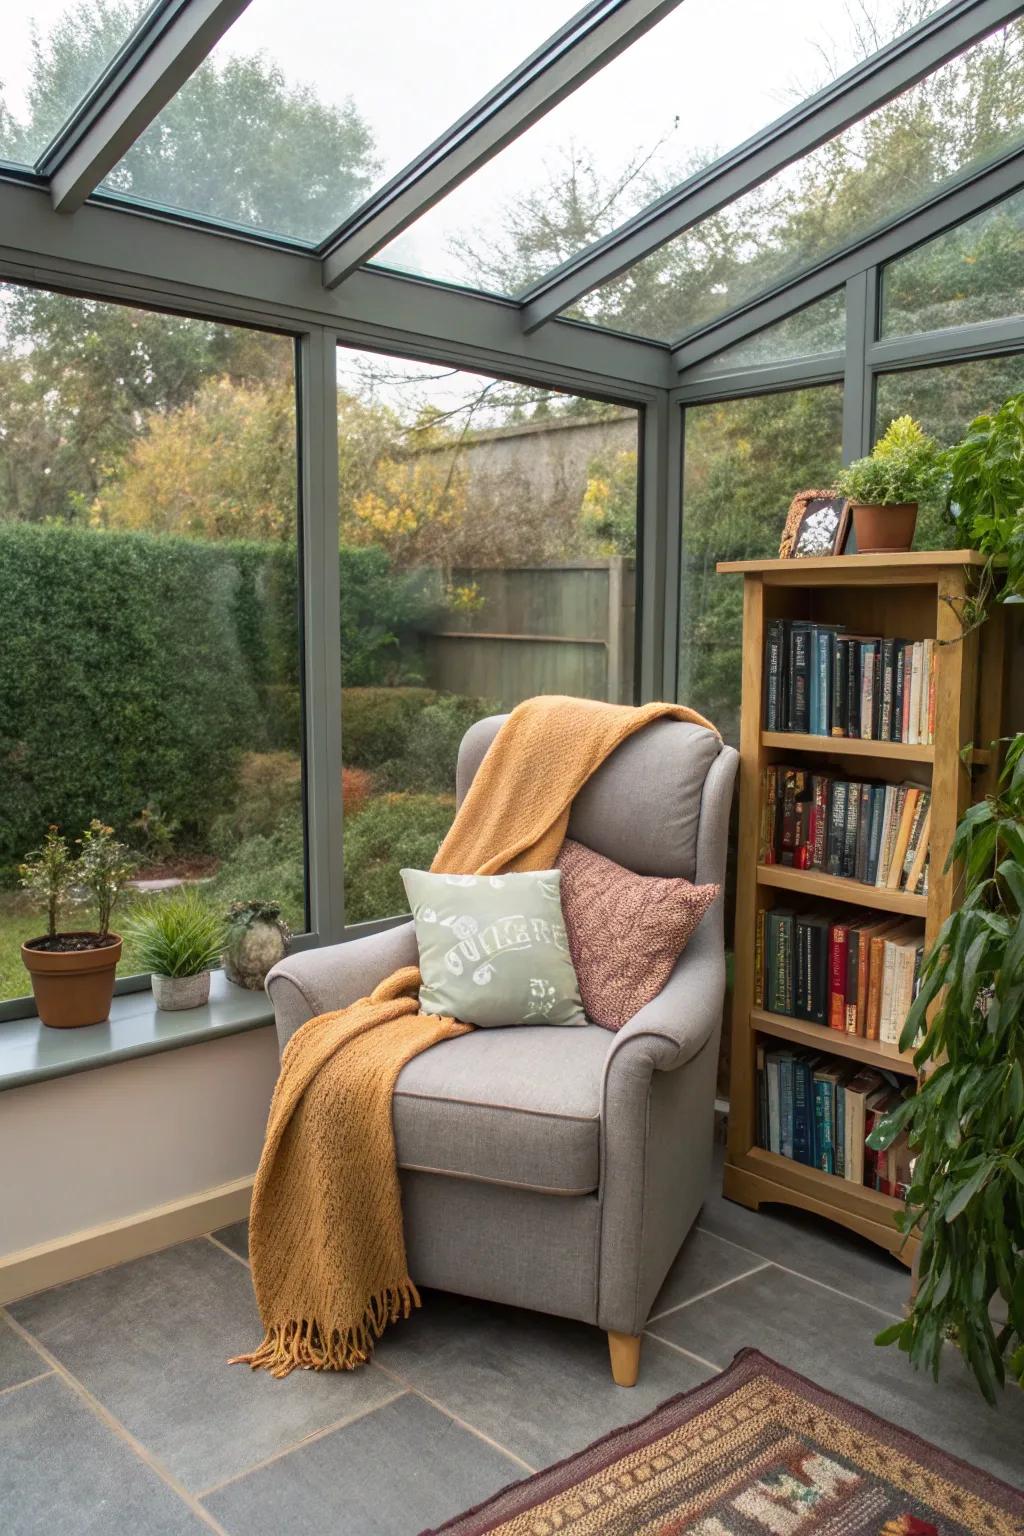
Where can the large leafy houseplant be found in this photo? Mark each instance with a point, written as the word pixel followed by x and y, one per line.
pixel 966 1122
pixel 903 467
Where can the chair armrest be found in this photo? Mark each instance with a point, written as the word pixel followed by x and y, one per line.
pixel 673 1026
pixel 317 981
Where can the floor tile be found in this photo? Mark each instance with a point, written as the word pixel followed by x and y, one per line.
pixel 399 1469
pixel 811 1245
pixel 539 1386
pixel 830 1339
pixel 18 1360
pixel 151 1339
pixel 704 1262
pixel 235 1237
pixel 64 1473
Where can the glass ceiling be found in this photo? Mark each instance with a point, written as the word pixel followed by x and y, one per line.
pixel 955 120
pixel 673 102
pixel 821 327
pixel 51 58
pixel 304 108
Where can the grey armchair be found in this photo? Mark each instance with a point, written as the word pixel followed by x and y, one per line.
pixel 561 1169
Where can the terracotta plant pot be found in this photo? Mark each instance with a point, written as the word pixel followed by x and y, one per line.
pixel 73 988
pixel 172 993
pixel 884 530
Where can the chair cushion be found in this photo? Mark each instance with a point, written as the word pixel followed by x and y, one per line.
pixel 515 1106
pixel 626 931
pixel 641 808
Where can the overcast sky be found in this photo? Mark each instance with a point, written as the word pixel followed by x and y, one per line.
pixel 709 75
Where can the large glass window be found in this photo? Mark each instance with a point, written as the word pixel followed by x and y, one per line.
pixel 973 272
pixel 821 327
pixel 674 101
pixel 53 53
pixel 744 462
pixel 945 400
pixel 149 671
pixel 303 109
pixel 488 539
pixel 959 117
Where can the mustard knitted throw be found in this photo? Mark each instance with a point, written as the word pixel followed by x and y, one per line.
pixel 325 1230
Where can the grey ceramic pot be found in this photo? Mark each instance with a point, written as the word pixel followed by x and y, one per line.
pixel 173 992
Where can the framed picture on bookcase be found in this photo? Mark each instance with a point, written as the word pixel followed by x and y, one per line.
pixel 817 524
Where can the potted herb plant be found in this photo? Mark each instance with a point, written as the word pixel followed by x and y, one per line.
pixel 258 937
pixel 884 489
pixel 178 939
pixel 73 970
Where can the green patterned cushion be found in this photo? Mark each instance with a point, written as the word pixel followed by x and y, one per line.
pixel 493 948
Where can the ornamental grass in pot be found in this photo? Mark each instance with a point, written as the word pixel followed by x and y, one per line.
pixel 884 489
pixel 73 970
pixel 178 939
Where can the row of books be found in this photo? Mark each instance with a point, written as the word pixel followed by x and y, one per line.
pixel 857 972
pixel 822 681
pixel 857 829
pixel 819 1111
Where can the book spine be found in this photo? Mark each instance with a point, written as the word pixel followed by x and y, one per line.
pixel 774 1121
pixel 885 712
pixel 896 730
pixel 759 948
pixel 876 966
pixel 932 671
pixel 821 786
pixel 838 940
pixel 848 864
pixel 800 678
pixel 819 972
pixel 852 688
pixel 786 1105
pixel 838 700
pixel 852 964
pixel 762 1100
pixel 772 674
pixel 839 1129
pixel 813 639
pixel 914 714
pixel 803 1145
pixel 826 640
pixel 863 845
pixel 823 1125
pixel 908 673
pixel 867 688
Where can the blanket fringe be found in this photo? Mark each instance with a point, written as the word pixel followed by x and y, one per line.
pixel 307 1345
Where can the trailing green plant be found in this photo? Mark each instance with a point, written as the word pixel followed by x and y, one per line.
pixel 48 874
pixel 986 490
pixel 905 466
pixel 965 1124
pixel 177 935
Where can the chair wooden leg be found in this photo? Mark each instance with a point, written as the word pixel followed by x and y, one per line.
pixel 624 1349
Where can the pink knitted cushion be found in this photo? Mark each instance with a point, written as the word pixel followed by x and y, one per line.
pixel 626 931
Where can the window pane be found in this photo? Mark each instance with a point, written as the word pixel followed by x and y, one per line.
pixel 961 116
pixel 945 401
pixel 148 579
pixel 974 272
pixel 53 54
pixel 744 462
pixel 303 109
pixel 821 327
pixel 488 535
pixel 668 105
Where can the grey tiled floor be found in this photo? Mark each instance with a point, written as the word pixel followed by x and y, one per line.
pixel 119 1415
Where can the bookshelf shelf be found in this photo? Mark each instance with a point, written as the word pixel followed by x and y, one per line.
pixel 847 746
pixel 915 596
pixel 811 882
pixel 872 1053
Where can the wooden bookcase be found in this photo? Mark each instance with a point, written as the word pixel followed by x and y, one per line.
pixel 913 596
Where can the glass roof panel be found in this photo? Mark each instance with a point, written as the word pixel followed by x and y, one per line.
pixel 955 120
pixel 52 55
pixel 673 102
pixel 973 272
pixel 821 327
pixel 303 109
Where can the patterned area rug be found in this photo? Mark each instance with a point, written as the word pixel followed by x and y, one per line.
pixel 758 1451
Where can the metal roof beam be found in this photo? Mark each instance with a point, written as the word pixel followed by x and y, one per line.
pixel 861 90
pixel 578 50
pixel 156 61
pixel 971 193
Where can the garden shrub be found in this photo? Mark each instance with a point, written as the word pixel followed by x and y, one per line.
pixel 269 786
pixel 431 750
pixel 268 866
pixel 376 722
pixel 356 787
pixel 393 832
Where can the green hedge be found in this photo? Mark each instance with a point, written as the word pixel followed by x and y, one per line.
pixel 136 669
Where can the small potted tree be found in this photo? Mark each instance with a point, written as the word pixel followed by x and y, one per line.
pixel 73 970
pixel 178 939
pixel 884 489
